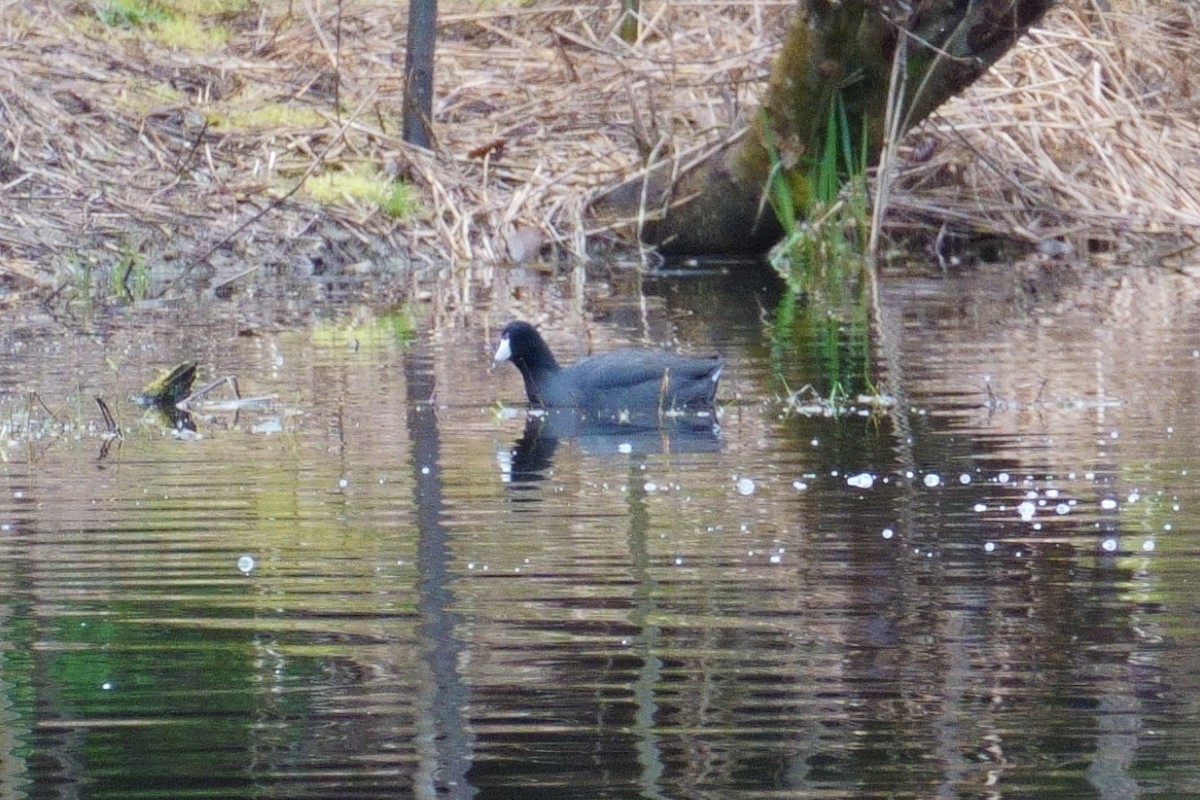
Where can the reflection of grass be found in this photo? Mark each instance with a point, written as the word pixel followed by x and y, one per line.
pixel 129 277
pixel 131 274
pixel 381 332
pixel 832 340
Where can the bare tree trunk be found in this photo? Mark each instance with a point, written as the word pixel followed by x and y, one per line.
pixel 837 58
pixel 418 72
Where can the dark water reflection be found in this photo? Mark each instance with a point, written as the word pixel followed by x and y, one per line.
pixel 375 585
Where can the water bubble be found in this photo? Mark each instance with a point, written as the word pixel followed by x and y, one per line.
pixel 1108 503
pixel 1002 477
pixel 1062 508
pixel 863 480
pixel 1148 546
pixel 678 561
pixel 815 442
pixel 964 479
pixel 1052 494
pixel 625 448
pixel 1167 526
pixel 932 480
pixel 650 487
pixel 1109 545
pixel 1026 511
pixel 1113 435
pixel 776 558
pixel 989 547
pixel 888 533
pixel 799 485
pixel 424 470
pixel 745 486
pixel 245 563
pixel 980 508
pixel 107 686
pixel 1133 497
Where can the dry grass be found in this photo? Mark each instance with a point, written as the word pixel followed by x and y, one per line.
pixel 1088 131
pixel 115 141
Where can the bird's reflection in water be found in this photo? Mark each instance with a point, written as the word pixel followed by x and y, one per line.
pixel 531 459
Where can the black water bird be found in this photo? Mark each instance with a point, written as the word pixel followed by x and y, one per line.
pixel 621 385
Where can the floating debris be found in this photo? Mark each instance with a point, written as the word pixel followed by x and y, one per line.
pixel 169 388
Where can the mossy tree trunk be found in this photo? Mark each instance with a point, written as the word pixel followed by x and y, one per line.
pixel 836 61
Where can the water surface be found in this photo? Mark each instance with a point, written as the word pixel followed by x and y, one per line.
pixel 380 583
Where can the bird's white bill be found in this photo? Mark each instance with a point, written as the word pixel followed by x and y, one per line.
pixel 503 352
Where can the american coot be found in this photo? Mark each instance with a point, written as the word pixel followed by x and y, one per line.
pixel 617 386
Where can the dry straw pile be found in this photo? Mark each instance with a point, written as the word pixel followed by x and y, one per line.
pixel 201 150
pixel 1088 131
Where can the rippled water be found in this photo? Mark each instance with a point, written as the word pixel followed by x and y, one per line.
pixel 379 583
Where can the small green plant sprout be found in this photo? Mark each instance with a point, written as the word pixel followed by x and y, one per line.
pixel 130 14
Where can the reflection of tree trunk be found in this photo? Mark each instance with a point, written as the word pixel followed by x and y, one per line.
pixel 836 57
pixel 649 643
pixel 443 744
